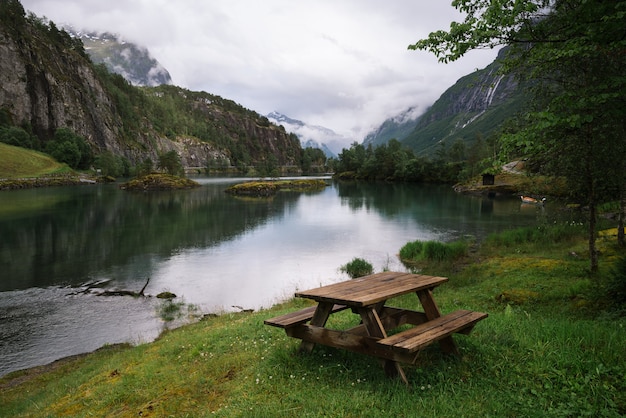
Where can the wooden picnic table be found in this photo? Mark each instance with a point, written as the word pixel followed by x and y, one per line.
pixel 367 296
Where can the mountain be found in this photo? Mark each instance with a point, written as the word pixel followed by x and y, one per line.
pixel 477 105
pixel 311 136
pixel 49 82
pixel 397 127
pixel 131 61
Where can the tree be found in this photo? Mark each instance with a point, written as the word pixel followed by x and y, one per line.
pixel 70 148
pixel 170 163
pixel 575 51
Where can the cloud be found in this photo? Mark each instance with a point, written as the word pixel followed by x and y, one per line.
pixel 343 65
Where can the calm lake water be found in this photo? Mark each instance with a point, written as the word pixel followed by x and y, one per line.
pixel 60 247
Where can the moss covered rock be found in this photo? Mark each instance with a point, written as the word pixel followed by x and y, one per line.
pixel 152 182
pixel 270 188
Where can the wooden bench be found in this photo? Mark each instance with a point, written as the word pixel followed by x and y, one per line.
pixel 299 317
pixel 418 337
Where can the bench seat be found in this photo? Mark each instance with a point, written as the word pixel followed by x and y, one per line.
pixel 299 317
pixel 418 337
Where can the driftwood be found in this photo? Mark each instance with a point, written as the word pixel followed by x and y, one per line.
pixel 125 292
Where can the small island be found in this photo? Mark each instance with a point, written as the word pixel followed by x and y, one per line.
pixel 270 188
pixel 154 182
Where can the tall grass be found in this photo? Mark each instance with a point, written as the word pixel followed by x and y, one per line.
pixel 542 234
pixel 433 251
pixel 18 162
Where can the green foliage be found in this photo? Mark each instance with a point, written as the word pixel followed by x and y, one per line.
pixel 144 168
pixel 392 161
pixel 170 163
pixel 573 51
pixel 358 267
pixel 543 234
pixel 616 285
pixel 312 157
pixel 70 148
pixel 433 251
pixel 18 137
pixel 112 165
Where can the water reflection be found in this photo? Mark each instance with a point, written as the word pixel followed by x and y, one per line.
pixel 214 250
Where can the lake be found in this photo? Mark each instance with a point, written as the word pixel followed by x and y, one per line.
pixel 61 247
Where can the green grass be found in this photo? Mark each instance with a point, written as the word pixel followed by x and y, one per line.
pixel 432 251
pixel 555 354
pixel 16 162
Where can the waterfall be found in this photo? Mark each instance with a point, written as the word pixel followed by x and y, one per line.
pixel 492 90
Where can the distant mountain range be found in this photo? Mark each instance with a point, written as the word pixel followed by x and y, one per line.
pixel 131 61
pixel 475 106
pixel 311 136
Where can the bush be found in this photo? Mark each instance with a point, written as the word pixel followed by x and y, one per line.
pixel 70 148
pixel 17 137
pixel 112 165
pixel 433 251
pixel 411 250
pixel 357 268
pixel 616 284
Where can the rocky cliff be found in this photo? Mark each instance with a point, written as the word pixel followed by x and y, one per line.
pixel 47 81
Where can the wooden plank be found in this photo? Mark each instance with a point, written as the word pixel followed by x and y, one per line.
pixel 416 338
pixel 376 329
pixel 379 290
pixel 320 316
pixel 348 285
pixel 432 311
pixel 362 344
pixel 369 290
pixel 298 317
pixel 394 317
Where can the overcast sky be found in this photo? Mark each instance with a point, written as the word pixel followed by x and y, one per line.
pixel 341 64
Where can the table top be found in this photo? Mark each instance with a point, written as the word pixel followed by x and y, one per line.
pixel 372 289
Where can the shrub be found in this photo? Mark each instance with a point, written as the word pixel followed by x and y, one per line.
pixel 111 165
pixel 616 284
pixel 411 250
pixel 357 268
pixel 17 137
pixel 433 251
pixel 70 148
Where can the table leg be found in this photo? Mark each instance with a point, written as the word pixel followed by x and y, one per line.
pixel 320 316
pixel 375 328
pixel 432 311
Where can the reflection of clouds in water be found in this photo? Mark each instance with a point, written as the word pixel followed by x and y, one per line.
pixel 212 250
pixel 303 250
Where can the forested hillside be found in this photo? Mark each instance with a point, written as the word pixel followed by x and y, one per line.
pixel 50 84
pixel 476 106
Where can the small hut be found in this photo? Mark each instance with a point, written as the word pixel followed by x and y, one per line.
pixel 489 179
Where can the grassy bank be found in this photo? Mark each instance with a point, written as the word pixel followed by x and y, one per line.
pixel 547 349
pixel 16 162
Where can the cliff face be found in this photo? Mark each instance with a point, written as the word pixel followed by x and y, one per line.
pixel 47 82
pixel 45 88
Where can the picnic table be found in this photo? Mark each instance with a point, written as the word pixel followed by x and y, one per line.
pixel 367 297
